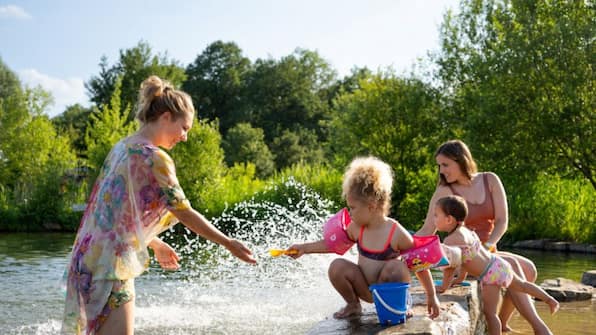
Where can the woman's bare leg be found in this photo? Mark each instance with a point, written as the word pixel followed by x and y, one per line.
pixel 522 301
pixel 120 321
pixel 349 281
pixel 529 273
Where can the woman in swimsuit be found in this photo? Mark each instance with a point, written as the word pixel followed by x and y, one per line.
pixel 367 187
pixel 491 270
pixel 487 217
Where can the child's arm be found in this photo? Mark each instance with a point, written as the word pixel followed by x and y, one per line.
pixel 461 276
pixel 309 248
pixel 402 239
pixel 432 301
pixel 447 278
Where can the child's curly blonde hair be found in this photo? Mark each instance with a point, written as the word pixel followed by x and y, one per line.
pixel 369 179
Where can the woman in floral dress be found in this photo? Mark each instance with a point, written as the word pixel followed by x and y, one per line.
pixel 136 197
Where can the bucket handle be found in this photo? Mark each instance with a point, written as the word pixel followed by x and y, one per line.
pixel 391 309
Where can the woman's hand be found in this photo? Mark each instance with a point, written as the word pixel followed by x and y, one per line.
pixel 240 250
pixel 166 255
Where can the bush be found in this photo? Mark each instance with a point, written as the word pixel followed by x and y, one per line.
pixel 553 207
pixel 283 195
pixel 324 180
pixel 237 184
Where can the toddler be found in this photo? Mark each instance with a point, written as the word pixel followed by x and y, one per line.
pixel 491 270
pixel 367 187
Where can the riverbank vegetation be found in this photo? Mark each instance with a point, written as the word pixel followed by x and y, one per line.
pixel 514 80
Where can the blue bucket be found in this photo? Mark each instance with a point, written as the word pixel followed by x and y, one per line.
pixel 391 301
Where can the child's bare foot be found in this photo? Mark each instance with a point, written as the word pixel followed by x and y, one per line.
pixel 505 329
pixel 353 308
pixel 553 304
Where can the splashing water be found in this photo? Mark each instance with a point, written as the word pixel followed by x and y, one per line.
pixel 216 293
pixel 213 292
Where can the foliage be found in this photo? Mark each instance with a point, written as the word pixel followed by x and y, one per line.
pixel 10 85
pixel 393 118
pixel 322 179
pixel 73 123
pixel 553 207
pixel 414 206
pixel 199 162
pixel 300 145
pixel 237 184
pixel 135 65
pixel 105 129
pixel 216 81
pixel 522 78
pixel 33 158
pixel 245 144
pixel 289 95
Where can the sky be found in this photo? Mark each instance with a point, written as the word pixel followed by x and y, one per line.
pixel 58 44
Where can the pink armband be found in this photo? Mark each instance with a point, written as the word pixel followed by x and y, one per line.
pixel 426 253
pixel 335 232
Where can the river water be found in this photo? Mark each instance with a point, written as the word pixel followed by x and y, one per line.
pixel 216 294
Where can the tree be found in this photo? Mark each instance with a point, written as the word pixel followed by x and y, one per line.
pixel 100 88
pixel 245 144
pixel 216 81
pixel 397 120
pixel 135 65
pixel 290 95
pixel 298 146
pixel 73 122
pixel 200 161
pixel 9 82
pixel 33 157
pixel 521 78
pixel 105 128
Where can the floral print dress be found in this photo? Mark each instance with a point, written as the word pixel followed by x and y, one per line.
pixel 129 206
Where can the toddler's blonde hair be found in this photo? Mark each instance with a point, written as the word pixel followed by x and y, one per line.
pixel 369 179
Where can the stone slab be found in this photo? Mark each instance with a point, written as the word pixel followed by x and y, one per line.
pixel 460 314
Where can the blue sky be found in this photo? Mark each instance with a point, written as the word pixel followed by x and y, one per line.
pixel 58 43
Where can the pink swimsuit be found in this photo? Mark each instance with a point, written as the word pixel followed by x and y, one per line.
pixel 497 272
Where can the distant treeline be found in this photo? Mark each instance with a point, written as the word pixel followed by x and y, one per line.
pixel 514 80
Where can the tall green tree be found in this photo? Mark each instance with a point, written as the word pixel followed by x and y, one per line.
pixel 397 120
pixel 106 128
pixel 245 144
pixel 299 145
pixel 34 158
pixel 73 122
pixel 200 162
pixel 290 95
pixel 134 65
pixel 289 92
pixel 216 81
pixel 521 75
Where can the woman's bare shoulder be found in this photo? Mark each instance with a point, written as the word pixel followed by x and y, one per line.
pixel 492 177
pixel 493 180
pixel 442 191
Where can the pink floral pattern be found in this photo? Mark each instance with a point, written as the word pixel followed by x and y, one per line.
pixel 129 206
